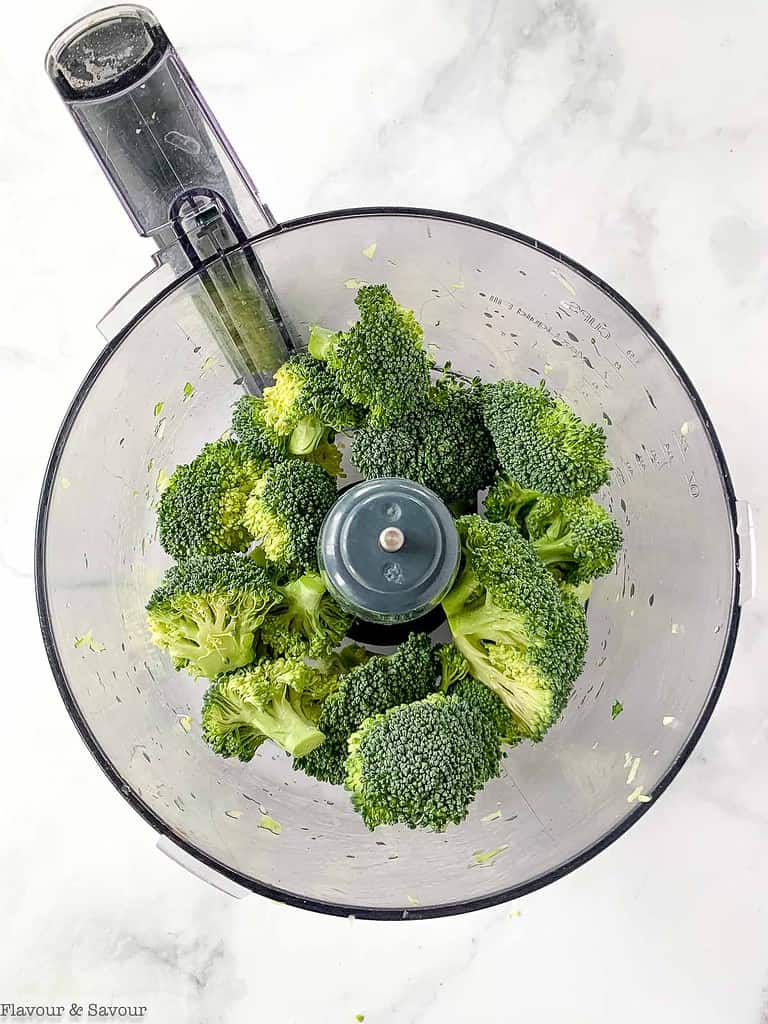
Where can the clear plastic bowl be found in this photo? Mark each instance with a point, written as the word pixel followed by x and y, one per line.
pixel 662 627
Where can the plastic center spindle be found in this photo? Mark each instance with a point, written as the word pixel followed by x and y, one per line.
pixel 389 550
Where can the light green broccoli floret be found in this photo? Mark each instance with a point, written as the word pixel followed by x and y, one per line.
pixel 519 634
pixel 575 537
pixel 262 701
pixel 308 621
pixel 207 612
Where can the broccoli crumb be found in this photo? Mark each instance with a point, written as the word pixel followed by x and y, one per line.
pixel 616 709
pixel 189 390
pixel 487 856
pixel 360 1017
pixel 370 251
pixel 234 814
pixel 158 408
pixel 270 825
pixel 88 640
pixel 186 722
pixel 487 818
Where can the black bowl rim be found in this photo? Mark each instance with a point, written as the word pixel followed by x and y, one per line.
pixel 282 895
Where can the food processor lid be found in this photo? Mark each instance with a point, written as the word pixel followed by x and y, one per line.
pixel 389 550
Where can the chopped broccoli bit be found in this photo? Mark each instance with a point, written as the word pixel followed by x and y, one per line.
pixel 380 362
pixel 201 509
pixel 616 708
pixel 420 764
pixel 542 443
pixel 381 682
pixel 486 856
pixel 286 509
pixel 88 640
pixel 244 708
pixel 270 825
pixel 207 611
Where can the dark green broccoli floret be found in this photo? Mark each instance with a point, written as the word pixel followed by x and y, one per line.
pixel 520 635
pixel 249 426
pixel 541 442
pixel 421 764
pixel 305 405
pixel 286 509
pixel 307 621
pixel 458 681
pixel 263 701
pixel 442 444
pixel 207 612
pixel 382 682
pixel 380 362
pixel 507 502
pixel 201 510
pixel 575 537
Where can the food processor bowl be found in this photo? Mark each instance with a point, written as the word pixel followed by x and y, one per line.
pixel 662 627
pixel 217 315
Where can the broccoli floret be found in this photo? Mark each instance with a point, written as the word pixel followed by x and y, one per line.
pixel 380 362
pixel 243 708
pixel 541 442
pixel 201 510
pixel 249 426
pixel 307 622
pixel 421 764
pixel 305 405
pixel 575 537
pixel 382 682
pixel 458 681
pixel 507 502
pixel 442 444
pixel 286 509
pixel 520 635
pixel 207 612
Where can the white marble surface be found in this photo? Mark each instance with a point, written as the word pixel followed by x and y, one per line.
pixel 631 136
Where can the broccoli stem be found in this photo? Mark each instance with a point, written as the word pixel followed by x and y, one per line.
pixel 287 726
pixel 559 550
